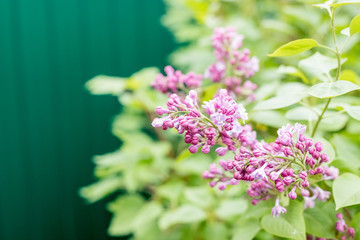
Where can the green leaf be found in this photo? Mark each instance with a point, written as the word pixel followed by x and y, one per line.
pixel 347 150
pixel 318 223
pixel 102 84
pixel 346 189
pixel 269 118
pixel 289 225
pixel 353 111
pixel 318 64
pixel 215 231
pixel 355 25
pixel 100 189
pixel 183 214
pixel 293 72
pixel 294 47
pixel 125 210
pixel 147 214
pixel 333 123
pixel 278 102
pixel 230 208
pixel 344 2
pixel 247 230
pixel 301 113
pixel 171 190
pixel 350 76
pixel 199 196
pixel 328 90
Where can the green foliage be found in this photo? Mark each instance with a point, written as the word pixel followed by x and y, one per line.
pixel 349 195
pixel 162 193
pixel 294 47
pixel 289 225
pixel 328 90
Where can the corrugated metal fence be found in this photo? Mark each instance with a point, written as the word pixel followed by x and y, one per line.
pixel 50 125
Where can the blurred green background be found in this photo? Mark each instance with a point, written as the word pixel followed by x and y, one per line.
pixel 51 126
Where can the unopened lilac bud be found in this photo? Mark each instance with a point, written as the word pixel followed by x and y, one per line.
pixel 212 184
pixel 351 232
pixel 234 182
pixel 309 142
pixel 221 151
pixel 205 149
pixel 316 155
pixel 243 150
pixel 305 192
pixel 300 146
pixel 237 175
pixel 305 183
pixel 324 157
pixel 302 138
pixel 319 170
pixel 303 175
pixel 222 186
pixel 288 180
pixel 255 201
pixel 339 227
pixel 311 150
pixel 339 216
pixel 312 172
pixel 318 146
pixel 193 148
pixel 292 195
pixel 205 174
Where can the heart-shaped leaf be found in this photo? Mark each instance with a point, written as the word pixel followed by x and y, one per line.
pixel 294 47
pixel 328 90
pixel 346 189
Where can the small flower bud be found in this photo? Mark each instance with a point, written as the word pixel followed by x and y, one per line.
pixel 292 195
pixel 318 146
pixel 303 175
pixel 305 183
pixel 305 192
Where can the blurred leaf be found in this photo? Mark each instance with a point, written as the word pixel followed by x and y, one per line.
pixel 344 2
pixel 278 102
pixel 210 91
pixel 215 231
pixel 289 225
pixel 353 111
pixel 183 214
pixel 328 90
pixel 318 64
pixel 199 196
pixel 347 150
pixel 231 207
pixel 350 76
pixel 100 189
pixel 147 214
pixel 294 47
pixel 355 25
pixel 346 189
pixel 247 230
pixel 318 223
pixel 125 210
pixel 171 190
pixel 301 113
pixel 334 123
pixel 293 72
pixel 269 118
pixel 102 84
pixel 142 78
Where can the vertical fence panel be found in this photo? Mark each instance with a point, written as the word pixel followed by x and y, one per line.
pixel 50 126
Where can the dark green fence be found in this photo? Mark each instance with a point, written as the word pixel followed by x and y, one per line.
pixel 50 125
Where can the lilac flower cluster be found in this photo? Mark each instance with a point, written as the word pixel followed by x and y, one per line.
pixel 286 165
pixel 233 65
pixel 176 80
pixel 343 228
pixel 221 122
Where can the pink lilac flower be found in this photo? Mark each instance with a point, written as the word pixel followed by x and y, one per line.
pixel 277 209
pixel 233 65
pixel 269 166
pixel 175 81
pixel 343 228
pixel 220 120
